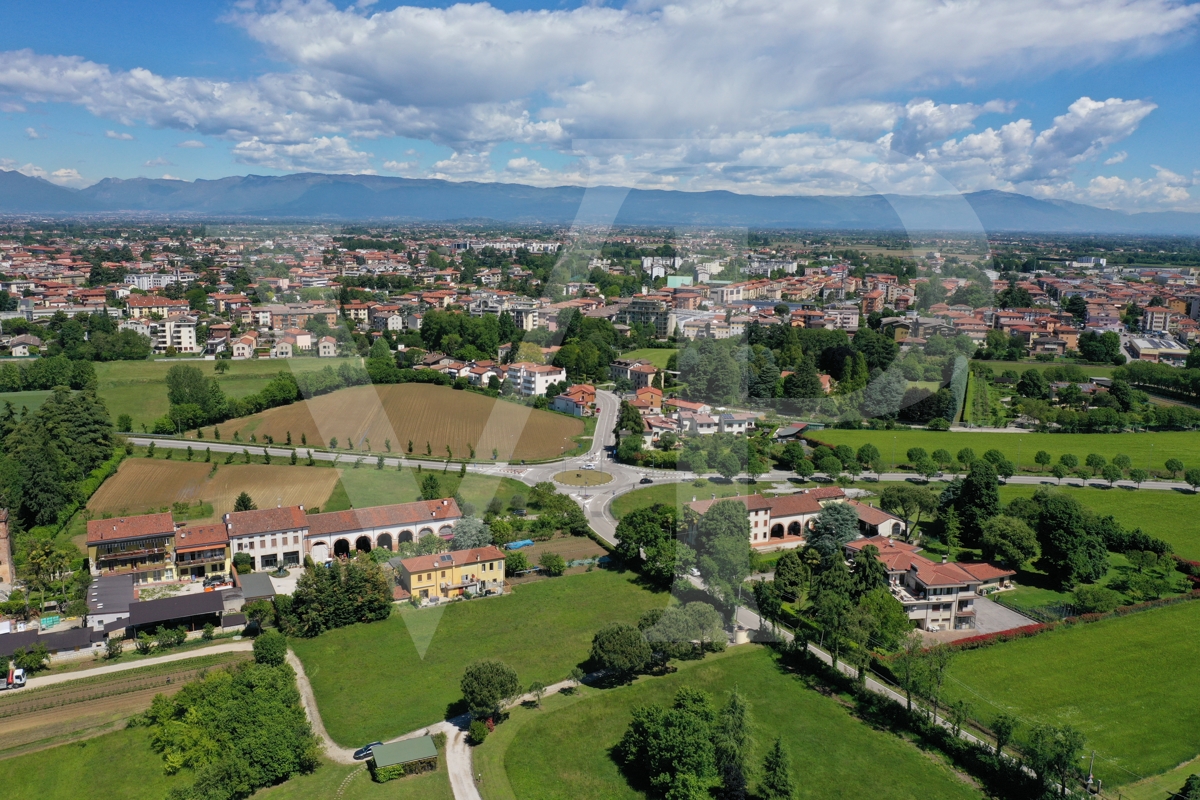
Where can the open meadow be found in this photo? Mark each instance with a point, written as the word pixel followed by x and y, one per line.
pixel 149 484
pixel 367 486
pixel 406 670
pixel 1144 449
pixel 431 417
pixel 658 356
pixel 1169 515
pixel 139 388
pixel 562 751
pixel 1128 683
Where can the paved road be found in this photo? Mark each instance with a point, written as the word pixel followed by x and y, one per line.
pixel 63 677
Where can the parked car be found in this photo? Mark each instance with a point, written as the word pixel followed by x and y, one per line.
pixel 646 479
pixel 14 680
pixel 695 573
pixel 589 466
pixel 365 751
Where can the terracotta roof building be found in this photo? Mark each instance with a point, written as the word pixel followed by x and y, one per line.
pixel 447 575
pixel 339 533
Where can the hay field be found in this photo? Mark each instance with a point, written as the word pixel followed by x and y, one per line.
pixel 437 415
pixel 148 484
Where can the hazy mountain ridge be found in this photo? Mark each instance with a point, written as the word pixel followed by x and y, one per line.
pixel 352 197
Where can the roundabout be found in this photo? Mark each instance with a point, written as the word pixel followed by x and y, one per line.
pixel 583 477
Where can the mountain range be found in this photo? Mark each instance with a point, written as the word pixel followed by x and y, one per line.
pixel 315 196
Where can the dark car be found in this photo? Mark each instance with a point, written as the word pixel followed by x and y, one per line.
pixel 646 480
pixel 365 751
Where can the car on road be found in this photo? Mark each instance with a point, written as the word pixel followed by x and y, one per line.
pixel 365 751
pixel 695 573
pixel 646 479
pixel 589 466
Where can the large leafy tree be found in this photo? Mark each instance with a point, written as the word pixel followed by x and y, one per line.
pixel 834 526
pixel 978 499
pixel 621 650
pixel 486 684
pixel 1071 552
pixel 724 547
pixel 1010 539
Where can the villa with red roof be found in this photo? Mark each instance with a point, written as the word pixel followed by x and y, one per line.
pixel 937 596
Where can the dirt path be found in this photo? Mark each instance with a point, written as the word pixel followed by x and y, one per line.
pixel 333 751
pixel 62 677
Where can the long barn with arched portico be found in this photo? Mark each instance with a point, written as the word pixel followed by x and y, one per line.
pixel 340 533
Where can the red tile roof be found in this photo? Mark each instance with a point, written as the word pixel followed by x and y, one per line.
pixel 201 537
pixel 111 530
pixel 452 559
pixel 397 515
pixel 265 520
pixel 793 504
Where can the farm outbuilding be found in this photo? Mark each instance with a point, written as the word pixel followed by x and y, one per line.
pixel 406 757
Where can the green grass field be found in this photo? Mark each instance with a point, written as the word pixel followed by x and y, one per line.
pixel 542 630
pixel 673 494
pixel 564 754
pixel 1144 448
pixel 122 762
pixel 139 388
pixel 367 486
pixel 656 356
pixel 1158 513
pixel 335 781
pixel 1020 366
pixel 30 400
pixel 1127 683
pixel 126 766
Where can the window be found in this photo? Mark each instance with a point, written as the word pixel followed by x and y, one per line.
pixel 291 559
pixel 295 540
pixel 443 573
pixel 251 545
pixel 274 543
pixel 239 547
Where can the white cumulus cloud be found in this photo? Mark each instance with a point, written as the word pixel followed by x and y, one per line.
pixel 191 143
pixel 122 136
pixel 32 133
pixel 320 154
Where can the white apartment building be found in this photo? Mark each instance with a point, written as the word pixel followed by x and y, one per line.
pixel 273 537
pixel 178 331
pixel 531 380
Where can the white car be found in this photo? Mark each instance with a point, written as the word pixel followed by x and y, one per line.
pixel 589 466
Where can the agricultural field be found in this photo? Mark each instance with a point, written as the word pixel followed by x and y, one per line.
pixel 35 719
pixel 139 388
pixel 562 750
pixel 432 417
pixel 1164 514
pixel 658 356
pixel 1144 448
pixel 1127 683
pixel 150 484
pixel 406 669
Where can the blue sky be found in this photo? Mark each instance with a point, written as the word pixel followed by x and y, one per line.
pixel 1095 102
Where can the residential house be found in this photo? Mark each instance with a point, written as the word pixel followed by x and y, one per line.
pixel 272 537
pixel 142 547
pixel 202 550
pixel 531 380
pixel 577 400
pixel 145 305
pixel 936 596
pixel 327 347
pixel 448 575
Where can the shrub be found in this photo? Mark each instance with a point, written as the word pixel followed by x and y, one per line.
pixel 478 732
pixel 270 647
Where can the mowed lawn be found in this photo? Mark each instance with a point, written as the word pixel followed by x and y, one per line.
pixel 125 765
pixel 1129 684
pixel 677 494
pixel 1169 515
pixel 564 754
pixel 655 355
pixel 368 486
pixel 31 400
pixel 372 683
pixel 334 781
pixel 120 765
pixel 139 388
pixel 431 417
pixel 1143 448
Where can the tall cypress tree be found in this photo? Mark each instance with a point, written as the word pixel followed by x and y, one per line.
pixel 777 781
pixel 731 739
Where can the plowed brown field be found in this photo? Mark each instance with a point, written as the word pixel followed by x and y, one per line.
pixel 423 413
pixel 145 484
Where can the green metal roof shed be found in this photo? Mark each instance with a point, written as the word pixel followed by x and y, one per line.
pixel 403 752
